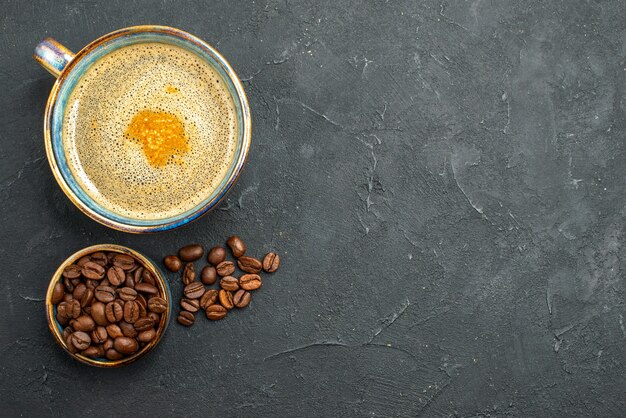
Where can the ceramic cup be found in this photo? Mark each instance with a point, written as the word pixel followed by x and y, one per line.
pixel 68 67
pixel 57 329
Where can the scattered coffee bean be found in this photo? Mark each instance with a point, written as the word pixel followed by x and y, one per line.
pixel 186 318
pixel 127 293
pixel 237 247
pixel 271 261
pixel 249 264
pixel 124 261
pixel 189 273
pixel 146 288
pixel 229 283
pixel 157 304
pixel 216 312
pixel 208 275
pixel 57 293
pixel 226 299
pixel 225 268
pixel 172 263
pixel 190 305
pixel 81 340
pixel 241 298
pixel 208 299
pixel 116 276
pixel 191 252
pixel 216 255
pixel 194 290
pixel 250 281
pixel 93 271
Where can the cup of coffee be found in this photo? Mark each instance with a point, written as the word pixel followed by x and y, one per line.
pixel 146 128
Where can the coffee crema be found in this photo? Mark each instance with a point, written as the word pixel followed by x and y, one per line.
pixel 150 131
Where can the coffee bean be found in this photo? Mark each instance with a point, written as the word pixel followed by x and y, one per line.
pixel 63 310
pixel 241 298
pixel 143 312
pixel 99 335
pixel 70 345
pixel 114 330
pixel 137 275
pixel 116 275
pixel 216 312
pixel 226 299
pixel 250 281
pixel 229 283
pixel 83 323
pixel 91 351
pixel 216 255
pixel 271 261
pixel 208 275
pixel 125 345
pixel 143 324
pixel 124 261
pixel 74 308
pixel 128 329
pixel 114 312
pixel 92 284
pixel 186 318
pixel 105 294
pixel 172 263
pixel 81 262
pixel 130 280
pixel 68 297
pixel 126 293
pixel 141 300
pixel 155 317
pixel 191 252
pixel 249 264
pixel 208 299
pixel 225 268
pixel 189 273
pixel 108 344
pixel 98 313
pixel 67 331
pixel 146 288
pixel 148 278
pixel 105 282
pixel 131 311
pixel 57 293
pixel 100 258
pixel 113 354
pixel 79 291
pixel 190 305
pixel 87 298
pixel 87 310
pixel 146 336
pixel 194 290
pixel 237 247
pixel 157 304
pixel 72 271
pixel 81 340
pixel 93 271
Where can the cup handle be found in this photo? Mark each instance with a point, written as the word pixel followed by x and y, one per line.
pixel 53 56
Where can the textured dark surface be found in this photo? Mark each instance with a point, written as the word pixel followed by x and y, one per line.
pixel 444 183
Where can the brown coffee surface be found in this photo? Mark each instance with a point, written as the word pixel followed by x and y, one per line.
pixel 116 169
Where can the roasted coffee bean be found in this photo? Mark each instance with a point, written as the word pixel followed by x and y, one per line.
pixel 157 304
pixel 225 268
pixel 105 282
pixel 229 283
pixel 143 312
pixel 70 345
pixel 74 308
pixel 81 262
pixel 249 264
pixel 226 299
pixel 105 294
pixel 114 330
pixel 189 273
pixel 186 318
pixel 72 271
pixel 79 291
pixel 113 354
pixel 108 344
pixel 87 310
pixel 137 275
pixel 98 313
pixel 216 255
pixel 146 288
pixel 191 252
pixel 130 280
pixel 67 331
pixel 116 275
pixel 125 345
pixel 68 297
pixel 141 299
pixel 128 329
pixel 114 312
pixel 146 336
pixel 62 320
pixel 91 351
pixel 92 284
pixel 194 290
pixel 87 298
pixel 216 312
pixel 57 293
pixel 93 271
pixel 99 335
pixel 250 281
pixel 208 299
pixel 143 324
pixel 148 278
pixel 81 340
pixel 241 298
pixel 124 261
pixel 190 305
pixel 208 275
pixel 100 258
pixel 155 317
pixel 237 247
pixel 271 261
pixel 172 263
pixel 126 293
pixel 76 281
pixel 63 310
pixel 69 286
pixel 83 323
pixel 131 311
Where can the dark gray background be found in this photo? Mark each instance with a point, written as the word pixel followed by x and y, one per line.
pixel 444 183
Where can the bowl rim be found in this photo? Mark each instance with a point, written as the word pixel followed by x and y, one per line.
pixel 239 162
pixel 54 326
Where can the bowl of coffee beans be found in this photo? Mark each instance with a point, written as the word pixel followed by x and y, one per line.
pixel 108 305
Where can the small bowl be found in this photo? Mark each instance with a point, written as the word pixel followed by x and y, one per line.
pixel 57 329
